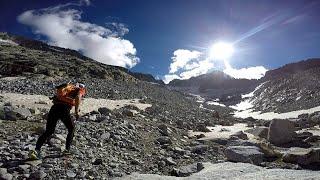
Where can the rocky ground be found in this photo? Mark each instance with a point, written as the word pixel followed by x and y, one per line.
pixel 114 143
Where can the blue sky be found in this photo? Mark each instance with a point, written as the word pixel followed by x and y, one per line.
pixel 172 38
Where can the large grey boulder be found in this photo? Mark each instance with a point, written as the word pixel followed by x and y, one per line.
pixel 248 154
pixel 22 113
pixel 281 131
pixel 14 113
pixel 302 156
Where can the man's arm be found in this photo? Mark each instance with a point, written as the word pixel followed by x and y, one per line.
pixel 77 104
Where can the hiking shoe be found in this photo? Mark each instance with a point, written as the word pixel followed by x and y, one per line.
pixel 34 155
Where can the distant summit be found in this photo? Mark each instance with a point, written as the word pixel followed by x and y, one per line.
pixel 215 85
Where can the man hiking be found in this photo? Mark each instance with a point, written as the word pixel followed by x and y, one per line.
pixel 67 96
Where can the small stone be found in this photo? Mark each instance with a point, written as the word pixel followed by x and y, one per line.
pixel 199 149
pixel 127 112
pixel 104 111
pixel 169 161
pixel 74 165
pixel 131 126
pixel 164 140
pixel 24 168
pixel 71 174
pixel 224 130
pixel 200 136
pixel 164 130
pixel 135 162
pixel 97 162
pixel 34 163
pixel 38 175
pixel 161 163
pixel 240 135
pixel 179 150
pixel 105 136
pixel 203 128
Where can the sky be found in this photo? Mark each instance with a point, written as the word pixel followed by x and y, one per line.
pixel 173 39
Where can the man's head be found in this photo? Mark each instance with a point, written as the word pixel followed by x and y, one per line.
pixel 80 85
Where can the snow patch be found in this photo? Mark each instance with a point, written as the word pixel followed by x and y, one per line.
pixel 220 131
pixel 198 97
pixel 215 103
pixel 246 104
pixel 7 41
pixel 274 115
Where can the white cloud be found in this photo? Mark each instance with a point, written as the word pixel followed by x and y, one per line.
pixel 169 77
pixel 202 67
pixel 256 72
pixel 186 64
pixel 64 28
pixel 181 58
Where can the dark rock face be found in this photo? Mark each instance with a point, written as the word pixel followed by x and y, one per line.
pixel 292 87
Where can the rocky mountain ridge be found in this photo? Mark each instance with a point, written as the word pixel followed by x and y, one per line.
pixel 29 56
pixel 291 87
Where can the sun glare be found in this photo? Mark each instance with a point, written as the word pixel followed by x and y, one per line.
pixel 221 51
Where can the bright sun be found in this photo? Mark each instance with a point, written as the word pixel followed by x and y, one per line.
pixel 221 51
